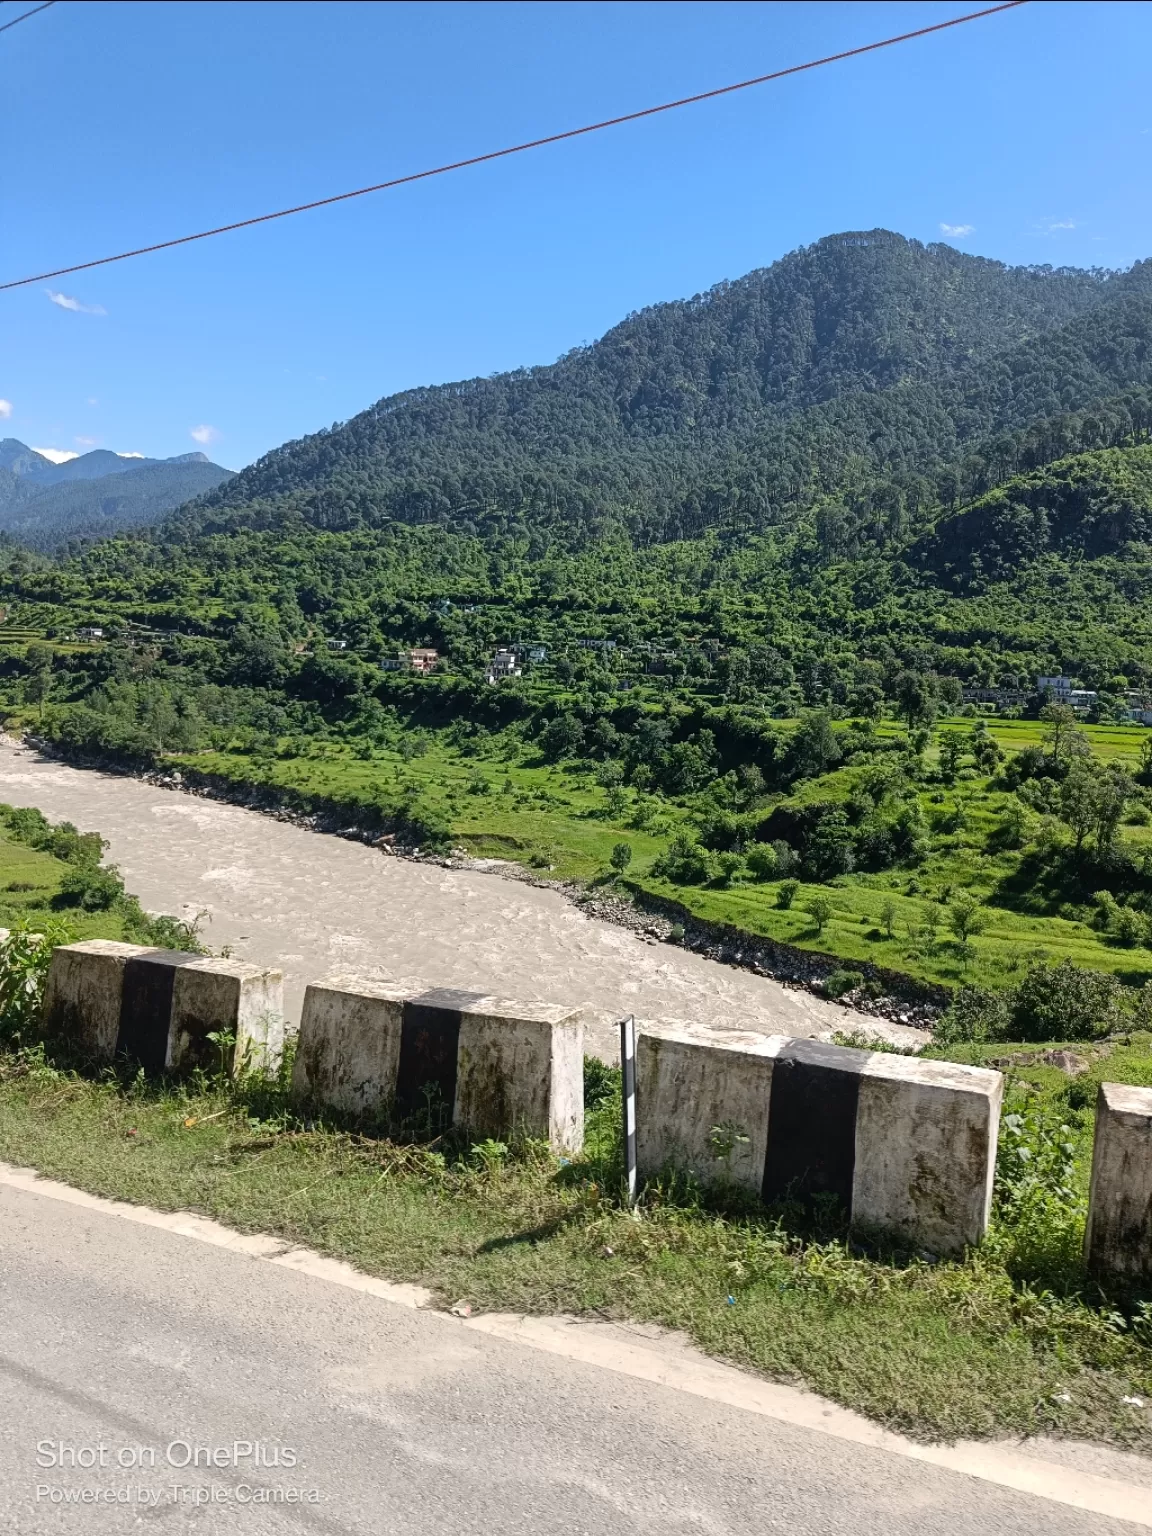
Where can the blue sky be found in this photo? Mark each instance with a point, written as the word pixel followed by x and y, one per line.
pixel 1026 134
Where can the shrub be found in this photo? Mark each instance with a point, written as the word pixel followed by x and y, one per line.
pixel 786 893
pixel 762 861
pixel 728 866
pixel 1066 1002
pixel 601 1082
pixel 975 1014
pixel 786 856
pixel 1129 927
pixel 90 887
pixel 24 960
pixel 684 862
pixel 836 983
pixel 621 857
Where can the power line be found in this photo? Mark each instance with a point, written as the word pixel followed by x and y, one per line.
pixel 35 11
pixel 515 149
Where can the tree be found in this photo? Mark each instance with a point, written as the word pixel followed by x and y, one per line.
pixel 814 748
pixel 1093 798
pixel 38 685
pixel 917 697
pixel 562 737
pixel 888 916
pixel 762 860
pixel 1063 736
pixel 1114 788
pixel 966 917
pixel 951 752
pixel 620 858
pixel 616 802
pixel 820 909
pixel 1078 800
pixel 830 850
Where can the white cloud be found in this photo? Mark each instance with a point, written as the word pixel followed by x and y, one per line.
pixel 129 455
pixel 203 434
pixel 64 301
pixel 1063 224
pixel 5 409
pixel 957 230
pixel 56 455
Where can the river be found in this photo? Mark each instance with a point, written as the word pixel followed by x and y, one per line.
pixel 312 904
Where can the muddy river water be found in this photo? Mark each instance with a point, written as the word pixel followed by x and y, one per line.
pixel 313 904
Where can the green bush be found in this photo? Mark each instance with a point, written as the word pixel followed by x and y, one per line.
pixel 1066 1002
pixel 762 861
pixel 728 866
pixel 684 862
pixel 24 961
pixel 820 910
pixel 1052 1002
pixel 90 887
pixel 975 1014
pixel 786 893
pixel 836 983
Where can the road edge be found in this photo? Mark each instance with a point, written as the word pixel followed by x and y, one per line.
pixel 644 1357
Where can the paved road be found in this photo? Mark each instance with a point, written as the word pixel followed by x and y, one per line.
pixel 310 904
pixel 126 1336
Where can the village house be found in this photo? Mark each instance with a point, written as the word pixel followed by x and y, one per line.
pixel 505 663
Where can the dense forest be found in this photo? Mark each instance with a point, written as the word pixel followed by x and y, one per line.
pixel 863 355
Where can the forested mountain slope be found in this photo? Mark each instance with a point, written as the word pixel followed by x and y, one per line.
pixel 748 400
pixel 95 494
pixel 46 517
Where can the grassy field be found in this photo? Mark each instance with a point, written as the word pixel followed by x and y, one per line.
pixel 1012 1339
pixel 500 802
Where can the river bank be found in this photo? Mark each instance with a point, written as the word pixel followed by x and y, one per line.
pixel 280 894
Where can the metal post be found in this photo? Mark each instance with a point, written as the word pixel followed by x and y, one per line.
pixel 628 1072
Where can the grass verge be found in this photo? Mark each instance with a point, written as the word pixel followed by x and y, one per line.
pixel 1006 1341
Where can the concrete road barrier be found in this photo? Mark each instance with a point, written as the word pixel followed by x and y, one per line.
pixel 443 1057
pixel 907 1147
pixel 1118 1239
pixel 157 1007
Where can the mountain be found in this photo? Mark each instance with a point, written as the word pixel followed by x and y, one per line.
pixel 18 459
pixel 750 400
pixel 873 456
pixel 95 494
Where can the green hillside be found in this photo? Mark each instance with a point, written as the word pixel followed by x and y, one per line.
pixel 764 542
pixel 745 400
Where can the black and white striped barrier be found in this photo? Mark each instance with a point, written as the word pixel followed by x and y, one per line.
pixel 1118 1237
pixel 443 1057
pixel 907 1147
pixel 157 1007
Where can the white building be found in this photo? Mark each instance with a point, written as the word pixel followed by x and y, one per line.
pixel 1059 687
pixel 504 664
